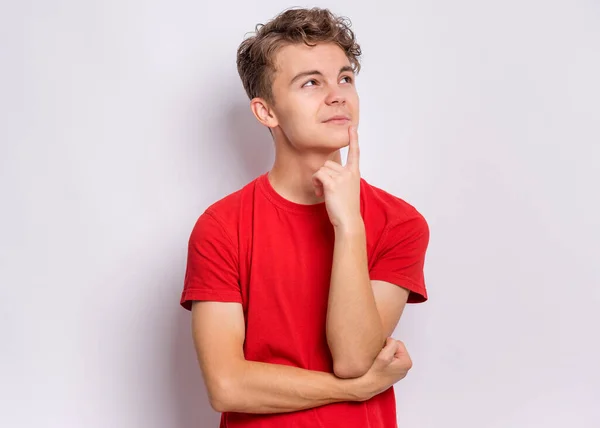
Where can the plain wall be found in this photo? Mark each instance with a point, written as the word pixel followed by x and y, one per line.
pixel 121 121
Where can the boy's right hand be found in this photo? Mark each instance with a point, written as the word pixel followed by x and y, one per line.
pixel 391 365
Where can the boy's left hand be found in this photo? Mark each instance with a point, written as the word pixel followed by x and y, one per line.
pixel 341 186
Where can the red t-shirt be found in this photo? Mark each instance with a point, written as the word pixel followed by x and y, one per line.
pixel 274 257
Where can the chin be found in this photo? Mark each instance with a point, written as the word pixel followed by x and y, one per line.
pixel 329 140
pixel 339 139
pixel 333 144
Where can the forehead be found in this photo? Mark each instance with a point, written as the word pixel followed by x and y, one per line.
pixel 297 58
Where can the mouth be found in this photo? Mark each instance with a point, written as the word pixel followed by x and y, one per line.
pixel 338 120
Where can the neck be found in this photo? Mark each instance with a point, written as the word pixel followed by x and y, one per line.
pixel 291 174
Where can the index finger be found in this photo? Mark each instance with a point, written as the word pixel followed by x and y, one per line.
pixel 353 150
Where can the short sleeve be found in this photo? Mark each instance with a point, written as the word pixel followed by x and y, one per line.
pixel 400 257
pixel 212 264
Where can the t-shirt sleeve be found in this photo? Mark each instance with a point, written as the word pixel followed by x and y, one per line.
pixel 400 257
pixel 212 264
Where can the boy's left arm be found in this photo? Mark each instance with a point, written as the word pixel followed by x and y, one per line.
pixel 365 306
pixel 362 312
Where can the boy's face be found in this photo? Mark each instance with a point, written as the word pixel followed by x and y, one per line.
pixel 315 96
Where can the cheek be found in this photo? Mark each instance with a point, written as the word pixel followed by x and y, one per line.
pixel 354 100
pixel 302 113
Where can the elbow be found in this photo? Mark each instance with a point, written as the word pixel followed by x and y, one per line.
pixel 219 405
pixel 349 369
pixel 220 395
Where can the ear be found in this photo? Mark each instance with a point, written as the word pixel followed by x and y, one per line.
pixel 263 112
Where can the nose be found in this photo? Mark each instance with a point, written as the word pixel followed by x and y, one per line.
pixel 335 96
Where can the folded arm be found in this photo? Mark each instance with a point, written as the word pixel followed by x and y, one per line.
pixel 361 313
pixel 237 385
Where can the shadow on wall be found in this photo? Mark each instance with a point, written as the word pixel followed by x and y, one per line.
pixel 249 142
pixel 193 407
pixel 245 150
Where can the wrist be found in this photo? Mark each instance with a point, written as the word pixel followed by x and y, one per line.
pixel 352 226
pixel 358 389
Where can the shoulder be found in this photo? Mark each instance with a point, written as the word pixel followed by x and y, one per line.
pixel 387 210
pixel 225 213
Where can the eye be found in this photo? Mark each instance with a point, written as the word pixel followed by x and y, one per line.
pixel 310 81
pixel 348 79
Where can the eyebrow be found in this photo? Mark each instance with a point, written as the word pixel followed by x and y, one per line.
pixel 298 76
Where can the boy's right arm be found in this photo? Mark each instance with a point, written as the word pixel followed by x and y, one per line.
pixel 237 385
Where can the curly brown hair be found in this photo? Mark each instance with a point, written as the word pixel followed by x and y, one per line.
pixel 256 54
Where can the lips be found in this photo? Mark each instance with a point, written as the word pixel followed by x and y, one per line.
pixel 338 119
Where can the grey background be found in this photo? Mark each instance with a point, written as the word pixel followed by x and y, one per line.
pixel 122 120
